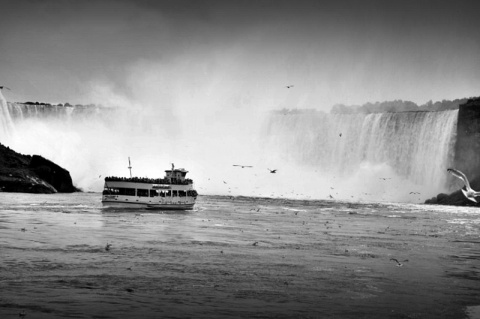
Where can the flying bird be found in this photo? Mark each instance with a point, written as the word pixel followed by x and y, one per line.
pixel 2 87
pixel 242 166
pixel 399 264
pixel 273 171
pixel 289 86
pixel 468 191
pixel 340 134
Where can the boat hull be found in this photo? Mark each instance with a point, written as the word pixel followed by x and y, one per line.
pixel 119 204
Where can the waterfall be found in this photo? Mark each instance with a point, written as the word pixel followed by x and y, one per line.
pixel 417 146
pixel 387 155
pixel 88 140
pixel 6 122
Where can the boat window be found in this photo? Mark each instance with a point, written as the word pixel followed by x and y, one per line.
pixel 142 192
pixel 175 194
pixel 169 193
pixel 153 193
pixel 126 191
pixel 182 193
pixel 162 194
pixel 110 191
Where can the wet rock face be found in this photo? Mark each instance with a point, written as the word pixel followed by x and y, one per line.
pixel 32 174
pixel 467 146
pixel 53 174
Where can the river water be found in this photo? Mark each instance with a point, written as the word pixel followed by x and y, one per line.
pixel 237 257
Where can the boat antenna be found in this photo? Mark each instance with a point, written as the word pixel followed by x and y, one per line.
pixel 130 167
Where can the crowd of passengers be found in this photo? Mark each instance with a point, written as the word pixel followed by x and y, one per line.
pixel 148 180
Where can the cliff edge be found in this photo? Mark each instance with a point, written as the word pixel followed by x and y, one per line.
pixel 467 155
pixel 32 174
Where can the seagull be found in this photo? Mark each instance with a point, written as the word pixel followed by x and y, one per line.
pixel 468 191
pixel 399 264
pixel 2 87
pixel 289 86
pixel 340 134
pixel 273 171
pixel 242 166
pixel 107 247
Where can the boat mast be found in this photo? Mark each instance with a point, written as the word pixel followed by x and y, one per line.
pixel 130 167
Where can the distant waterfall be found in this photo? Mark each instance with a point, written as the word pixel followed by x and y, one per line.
pixel 6 122
pixel 416 145
pixel 88 140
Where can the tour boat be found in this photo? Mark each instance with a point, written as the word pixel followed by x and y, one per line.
pixel 173 192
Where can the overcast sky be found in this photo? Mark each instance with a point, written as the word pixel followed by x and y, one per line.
pixel 239 53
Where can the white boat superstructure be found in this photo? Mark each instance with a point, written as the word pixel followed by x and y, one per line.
pixel 174 191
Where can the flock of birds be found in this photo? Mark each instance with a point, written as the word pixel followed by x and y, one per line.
pixel 469 193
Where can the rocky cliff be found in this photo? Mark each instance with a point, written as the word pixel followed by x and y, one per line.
pixel 467 145
pixel 32 174
pixel 467 155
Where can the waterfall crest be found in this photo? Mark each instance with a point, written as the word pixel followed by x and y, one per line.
pixel 418 146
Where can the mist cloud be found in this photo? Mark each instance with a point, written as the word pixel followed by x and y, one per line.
pixel 192 81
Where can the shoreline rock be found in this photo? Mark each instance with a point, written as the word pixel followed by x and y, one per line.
pixel 456 198
pixel 32 174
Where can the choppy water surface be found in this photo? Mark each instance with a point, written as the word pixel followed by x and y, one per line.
pixel 237 257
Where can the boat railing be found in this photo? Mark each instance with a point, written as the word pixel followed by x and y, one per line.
pixel 146 180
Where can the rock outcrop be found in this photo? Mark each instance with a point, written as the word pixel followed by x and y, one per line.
pixel 456 198
pixel 32 174
pixel 467 145
pixel 467 155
